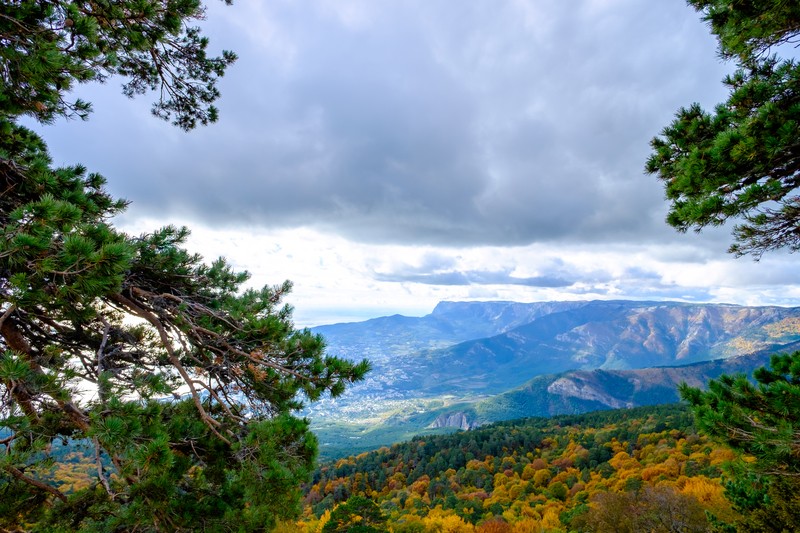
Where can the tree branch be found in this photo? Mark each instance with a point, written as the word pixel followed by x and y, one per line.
pixel 35 482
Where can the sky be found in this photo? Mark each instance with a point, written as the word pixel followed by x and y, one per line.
pixel 388 155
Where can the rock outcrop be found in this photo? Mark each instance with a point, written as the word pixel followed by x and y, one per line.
pixel 453 420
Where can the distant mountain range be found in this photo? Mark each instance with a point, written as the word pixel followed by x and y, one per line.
pixel 582 391
pixel 472 362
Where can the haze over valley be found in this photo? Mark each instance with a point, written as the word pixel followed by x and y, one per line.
pixel 468 363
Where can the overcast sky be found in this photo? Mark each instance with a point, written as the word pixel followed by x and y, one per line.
pixel 386 155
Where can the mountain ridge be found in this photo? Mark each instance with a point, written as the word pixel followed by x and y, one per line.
pixel 466 360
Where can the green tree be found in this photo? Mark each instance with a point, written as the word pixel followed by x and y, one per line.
pixel 182 382
pixel 748 29
pixel 761 420
pixel 47 46
pixel 742 160
pixel 357 515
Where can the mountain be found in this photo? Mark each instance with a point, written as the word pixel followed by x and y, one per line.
pixel 469 362
pixel 614 335
pixel 449 323
pixel 583 391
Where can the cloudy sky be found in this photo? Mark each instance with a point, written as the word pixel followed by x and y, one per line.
pixel 386 155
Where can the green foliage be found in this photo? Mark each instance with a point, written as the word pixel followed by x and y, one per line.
pixel 537 474
pixel 49 46
pixel 776 508
pixel 357 515
pixel 750 28
pixel 181 383
pixel 740 161
pixel 760 419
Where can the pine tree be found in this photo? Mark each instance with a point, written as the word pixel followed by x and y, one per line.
pixel 47 46
pixel 761 421
pixel 741 161
pixel 180 382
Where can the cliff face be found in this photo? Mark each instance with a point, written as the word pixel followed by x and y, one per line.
pixel 458 420
pixel 583 390
pixel 587 390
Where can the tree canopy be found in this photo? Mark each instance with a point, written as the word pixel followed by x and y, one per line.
pixel 760 422
pixel 740 161
pixel 179 380
pixel 46 47
pixel 761 419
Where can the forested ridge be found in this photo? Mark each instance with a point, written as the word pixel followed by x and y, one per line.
pixel 538 474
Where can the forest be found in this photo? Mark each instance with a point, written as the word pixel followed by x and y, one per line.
pixel 625 470
pixel 145 389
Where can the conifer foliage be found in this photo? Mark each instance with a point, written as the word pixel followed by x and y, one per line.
pixel 761 422
pixel 46 47
pixel 181 382
pixel 741 161
pixel 761 419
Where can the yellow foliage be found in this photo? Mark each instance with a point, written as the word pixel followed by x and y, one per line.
pixel 721 455
pixel 527 525
pixel 439 521
pixel 617 446
pixel 421 485
pixel 550 520
pixel 324 519
pixel 655 459
pixel 623 461
pixel 500 480
pixel 528 472
pixel 541 478
pixel 707 491
pixel 515 491
pixel 346 461
pixel 499 495
pixel 411 501
pixel 289 527
pixel 564 475
pixel 672 467
pixel 653 472
pixel 789 325
pixel 474 464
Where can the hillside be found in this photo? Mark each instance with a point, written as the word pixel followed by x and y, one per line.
pixel 471 362
pixel 607 335
pixel 533 474
pixel 582 391
pixel 449 323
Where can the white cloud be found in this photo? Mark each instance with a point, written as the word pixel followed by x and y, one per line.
pixel 338 280
pixel 388 155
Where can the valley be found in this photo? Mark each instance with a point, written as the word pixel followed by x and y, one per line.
pixel 471 363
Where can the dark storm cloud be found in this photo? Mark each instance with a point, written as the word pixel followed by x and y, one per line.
pixel 417 122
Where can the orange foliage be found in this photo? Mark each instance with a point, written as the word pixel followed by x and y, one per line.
pixel 494 525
